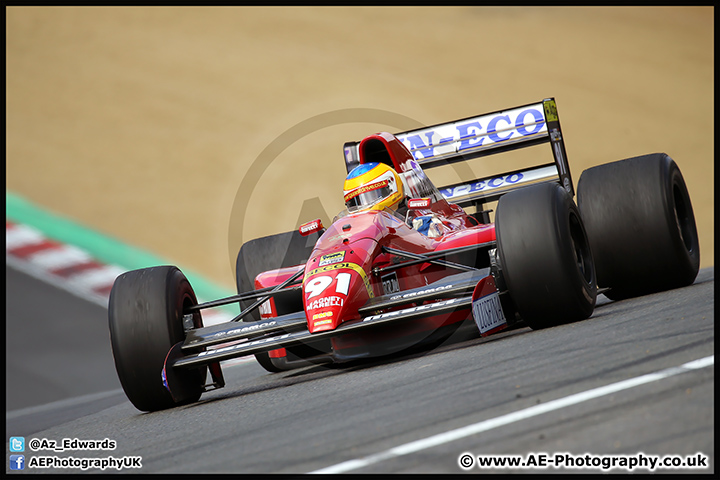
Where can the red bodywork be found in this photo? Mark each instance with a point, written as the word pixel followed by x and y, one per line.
pixel 339 276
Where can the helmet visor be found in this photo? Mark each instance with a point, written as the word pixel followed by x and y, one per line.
pixel 368 195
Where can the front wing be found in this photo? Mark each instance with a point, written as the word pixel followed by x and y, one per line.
pixel 453 293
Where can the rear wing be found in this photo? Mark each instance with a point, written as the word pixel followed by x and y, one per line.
pixel 482 135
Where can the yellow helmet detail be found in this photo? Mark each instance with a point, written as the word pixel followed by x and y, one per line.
pixel 373 186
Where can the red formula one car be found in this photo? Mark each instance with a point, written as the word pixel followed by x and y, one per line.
pixel 408 264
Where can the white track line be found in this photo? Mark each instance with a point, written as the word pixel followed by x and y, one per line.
pixel 68 402
pixel 513 417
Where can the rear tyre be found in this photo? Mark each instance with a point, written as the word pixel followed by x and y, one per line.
pixel 545 256
pixel 146 320
pixel 640 224
pixel 269 253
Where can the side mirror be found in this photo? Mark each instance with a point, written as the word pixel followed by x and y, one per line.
pixel 311 227
pixel 417 203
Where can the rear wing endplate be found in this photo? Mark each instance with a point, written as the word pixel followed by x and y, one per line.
pixel 482 135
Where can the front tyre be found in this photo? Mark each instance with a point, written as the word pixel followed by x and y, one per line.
pixel 146 320
pixel 545 256
pixel 640 224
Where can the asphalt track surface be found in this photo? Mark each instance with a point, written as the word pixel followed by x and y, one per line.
pixel 318 418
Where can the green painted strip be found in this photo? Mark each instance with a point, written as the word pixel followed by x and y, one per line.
pixel 104 248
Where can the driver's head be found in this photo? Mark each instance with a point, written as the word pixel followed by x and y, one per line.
pixel 373 186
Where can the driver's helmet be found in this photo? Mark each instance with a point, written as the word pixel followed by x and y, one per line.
pixel 373 186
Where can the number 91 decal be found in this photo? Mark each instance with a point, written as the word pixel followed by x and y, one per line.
pixel 318 284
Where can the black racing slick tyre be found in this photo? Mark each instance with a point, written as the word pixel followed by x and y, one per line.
pixel 545 256
pixel 146 320
pixel 640 224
